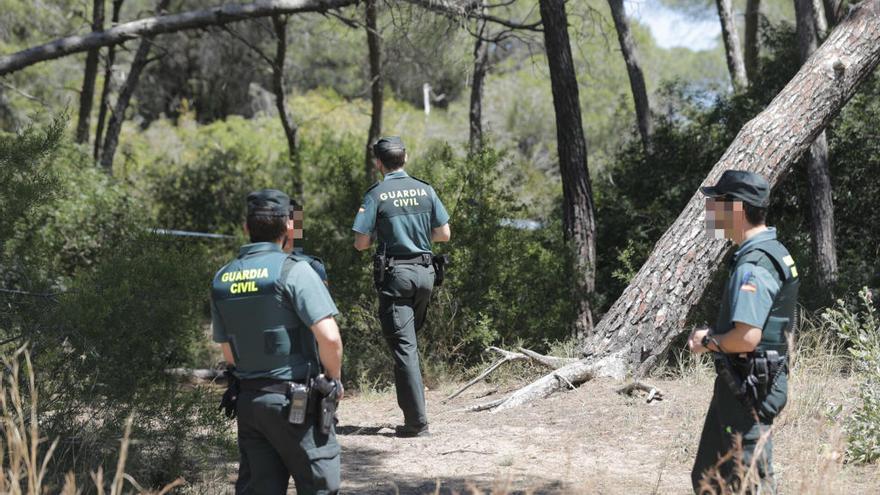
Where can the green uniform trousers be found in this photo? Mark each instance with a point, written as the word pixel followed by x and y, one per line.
pixel 272 450
pixel 728 417
pixel 403 303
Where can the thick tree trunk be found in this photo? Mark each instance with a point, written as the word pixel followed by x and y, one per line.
pixel 279 25
pixel 578 214
pixel 125 93
pixel 634 70
pixel 481 66
pixel 377 86
pixel 752 45
pixel 732 50
pixel 821 205
pixel 104 104
pixel 653 310
pixel 90 74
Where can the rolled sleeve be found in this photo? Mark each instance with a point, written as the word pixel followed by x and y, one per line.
pixel 753 290
pixel 218 329
pixel 365 220
pixel 439 216
pixel 310 297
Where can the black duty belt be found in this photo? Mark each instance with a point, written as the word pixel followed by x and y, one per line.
pixel 267 385
pixel 413 259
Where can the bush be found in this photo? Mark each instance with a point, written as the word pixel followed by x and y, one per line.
pixel 859 326
pixel 106 309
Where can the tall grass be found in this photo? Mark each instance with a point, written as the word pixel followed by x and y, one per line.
pixel 24 457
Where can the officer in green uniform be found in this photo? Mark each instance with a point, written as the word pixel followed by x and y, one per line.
pixel 406 215
pixel 748 340
pixel 274 320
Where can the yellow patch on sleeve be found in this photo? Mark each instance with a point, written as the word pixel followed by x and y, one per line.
pixel 361 209
pixel 748 288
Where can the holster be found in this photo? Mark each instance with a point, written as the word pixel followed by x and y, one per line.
pixel 380 266
pixel 229 400
pixel 750 380
pixel 440 261
pixel 328 391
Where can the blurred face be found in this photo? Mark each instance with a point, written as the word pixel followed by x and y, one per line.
pixel 725 219
pixel 294 228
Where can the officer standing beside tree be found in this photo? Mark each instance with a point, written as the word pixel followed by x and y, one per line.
pixel 274 319
pixel 406 216
pixel 749 339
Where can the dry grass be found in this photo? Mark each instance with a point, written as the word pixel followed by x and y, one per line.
pixel 24 458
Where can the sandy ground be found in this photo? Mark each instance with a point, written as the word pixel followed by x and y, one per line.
pixel 586 441
pixel 589 440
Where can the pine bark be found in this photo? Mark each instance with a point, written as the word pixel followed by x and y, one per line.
pixel 640 326
pixel 732 50
pixel 104 104
pixel 818 173
pixel 752 44
pixel 481 67
pixel 90 75
pixel 114 128
pixel 636 75
pixel 377 86
pixel 578 214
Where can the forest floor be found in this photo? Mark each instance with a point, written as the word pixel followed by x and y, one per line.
pixel 588 440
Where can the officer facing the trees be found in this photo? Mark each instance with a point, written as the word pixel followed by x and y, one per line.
pixel 748 341
pixel 274 320
pixel 406 215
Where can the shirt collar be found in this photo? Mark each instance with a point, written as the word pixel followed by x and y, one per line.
pixel 396 174
pixel 259 247
pixel 766 235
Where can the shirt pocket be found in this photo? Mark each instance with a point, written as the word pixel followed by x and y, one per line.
pixel 276 342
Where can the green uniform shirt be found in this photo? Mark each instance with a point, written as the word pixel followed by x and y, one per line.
pixel 266 319
pixel 750 290
pixel 402 210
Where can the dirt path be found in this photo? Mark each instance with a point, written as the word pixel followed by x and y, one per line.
pixel 589 440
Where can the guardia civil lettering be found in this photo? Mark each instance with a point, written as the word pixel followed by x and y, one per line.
pixel 404 197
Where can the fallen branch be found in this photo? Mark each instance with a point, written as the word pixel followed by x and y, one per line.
pixel 654 393
pixel 508 356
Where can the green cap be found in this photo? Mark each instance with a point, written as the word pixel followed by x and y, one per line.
pixel 268 202
pixel 748 187
pixel 388 143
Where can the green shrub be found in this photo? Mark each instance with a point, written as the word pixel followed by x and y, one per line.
pixel 859 326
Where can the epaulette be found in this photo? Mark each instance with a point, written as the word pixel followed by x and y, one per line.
pixel 374 186
pixel 420 180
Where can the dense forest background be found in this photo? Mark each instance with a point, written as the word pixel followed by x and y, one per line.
pixel 107 305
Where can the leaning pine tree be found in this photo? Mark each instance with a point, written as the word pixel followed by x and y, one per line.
pixel 653 310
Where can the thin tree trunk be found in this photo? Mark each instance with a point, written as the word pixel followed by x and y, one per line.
pixel 832 12
pixel 377 85
pixel 642 324
pixel 821 20
pixel 752 45
pixel 578 214
pixel 636 76
pixel 279 24
pixel 104 104
pixel 732 50
pixel 818 173
pixel 125 93
pixel 481 66
pixel 90 74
